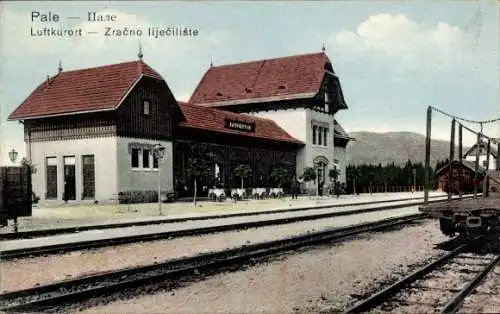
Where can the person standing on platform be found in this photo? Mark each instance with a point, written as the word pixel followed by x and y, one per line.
pixel 294 189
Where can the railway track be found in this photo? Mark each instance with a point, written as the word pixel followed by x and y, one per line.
pixel 65 230
pixel 440 286
pixel 60 294
pixel 134 238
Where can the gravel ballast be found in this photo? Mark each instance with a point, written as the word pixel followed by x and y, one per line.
pixel 26 273
pixel 486 297
pixel 316 280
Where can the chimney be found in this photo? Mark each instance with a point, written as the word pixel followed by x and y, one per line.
pixel 140 55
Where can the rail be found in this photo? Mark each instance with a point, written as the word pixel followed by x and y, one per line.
pixel 452 306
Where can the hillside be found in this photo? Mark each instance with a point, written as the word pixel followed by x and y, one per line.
pixel 397 147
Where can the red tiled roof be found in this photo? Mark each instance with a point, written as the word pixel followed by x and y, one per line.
pixel 214 120
pixel 92 89
pixel 290 77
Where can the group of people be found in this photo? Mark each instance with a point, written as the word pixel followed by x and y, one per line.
pixel 335 188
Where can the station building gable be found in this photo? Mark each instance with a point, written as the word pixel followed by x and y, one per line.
pixel 80 125
pixel 287 82
pixel 300 93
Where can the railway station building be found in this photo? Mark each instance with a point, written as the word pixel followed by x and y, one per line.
pixel 92 133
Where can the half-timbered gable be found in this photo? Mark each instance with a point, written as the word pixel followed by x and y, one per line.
pixel 148 111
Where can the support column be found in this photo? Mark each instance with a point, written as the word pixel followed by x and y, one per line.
pixel 478 143
pixel 452 156
pixel 498 157
pixel 460 145
pixel 486 177
pixel 427 154
pixel 460 155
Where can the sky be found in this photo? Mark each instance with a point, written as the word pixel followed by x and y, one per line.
pixel 393 58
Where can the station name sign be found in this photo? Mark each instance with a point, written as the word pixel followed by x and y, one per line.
pixel 240 125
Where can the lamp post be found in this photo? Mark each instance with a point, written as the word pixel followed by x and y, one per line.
pixel 13 155
pixel 159 152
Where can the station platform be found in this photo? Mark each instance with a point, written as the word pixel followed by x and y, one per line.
pixel 192 223
pixel 82 216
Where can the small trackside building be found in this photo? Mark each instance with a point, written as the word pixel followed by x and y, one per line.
pixel 90 133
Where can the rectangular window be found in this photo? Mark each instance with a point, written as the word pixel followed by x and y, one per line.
pixel 88 175
pixel 314 134
pixel 145 158
pixel 51 175
pixel 320 135
pixel 135 158
pixel 147 108
pixel 325 136
pixel 155 161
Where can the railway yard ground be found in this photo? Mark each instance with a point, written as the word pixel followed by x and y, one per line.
pixel 320 274
pixel 321 279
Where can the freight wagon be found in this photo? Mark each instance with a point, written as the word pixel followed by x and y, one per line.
pixel 470 217
pixel 16 196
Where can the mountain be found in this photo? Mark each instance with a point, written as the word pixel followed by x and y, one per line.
pixel 397 147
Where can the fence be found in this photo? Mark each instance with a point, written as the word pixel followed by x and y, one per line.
pixel 391 189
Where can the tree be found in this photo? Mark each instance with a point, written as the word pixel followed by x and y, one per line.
pixel 243 171
pixel 333 174
pixel 309 174
pixel 197 168
pixel 279 176
pixel 352 174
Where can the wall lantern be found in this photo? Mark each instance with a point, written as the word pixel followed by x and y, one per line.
pixel 13 155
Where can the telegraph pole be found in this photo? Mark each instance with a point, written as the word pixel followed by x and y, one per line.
pixel 427 154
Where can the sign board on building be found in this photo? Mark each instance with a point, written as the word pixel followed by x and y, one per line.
pixel 239 125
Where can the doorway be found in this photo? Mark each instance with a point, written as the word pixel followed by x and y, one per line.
pixel 69 179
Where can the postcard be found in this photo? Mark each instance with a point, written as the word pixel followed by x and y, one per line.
pixel 248 156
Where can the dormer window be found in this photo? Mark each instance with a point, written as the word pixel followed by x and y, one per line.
pixel 146 108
